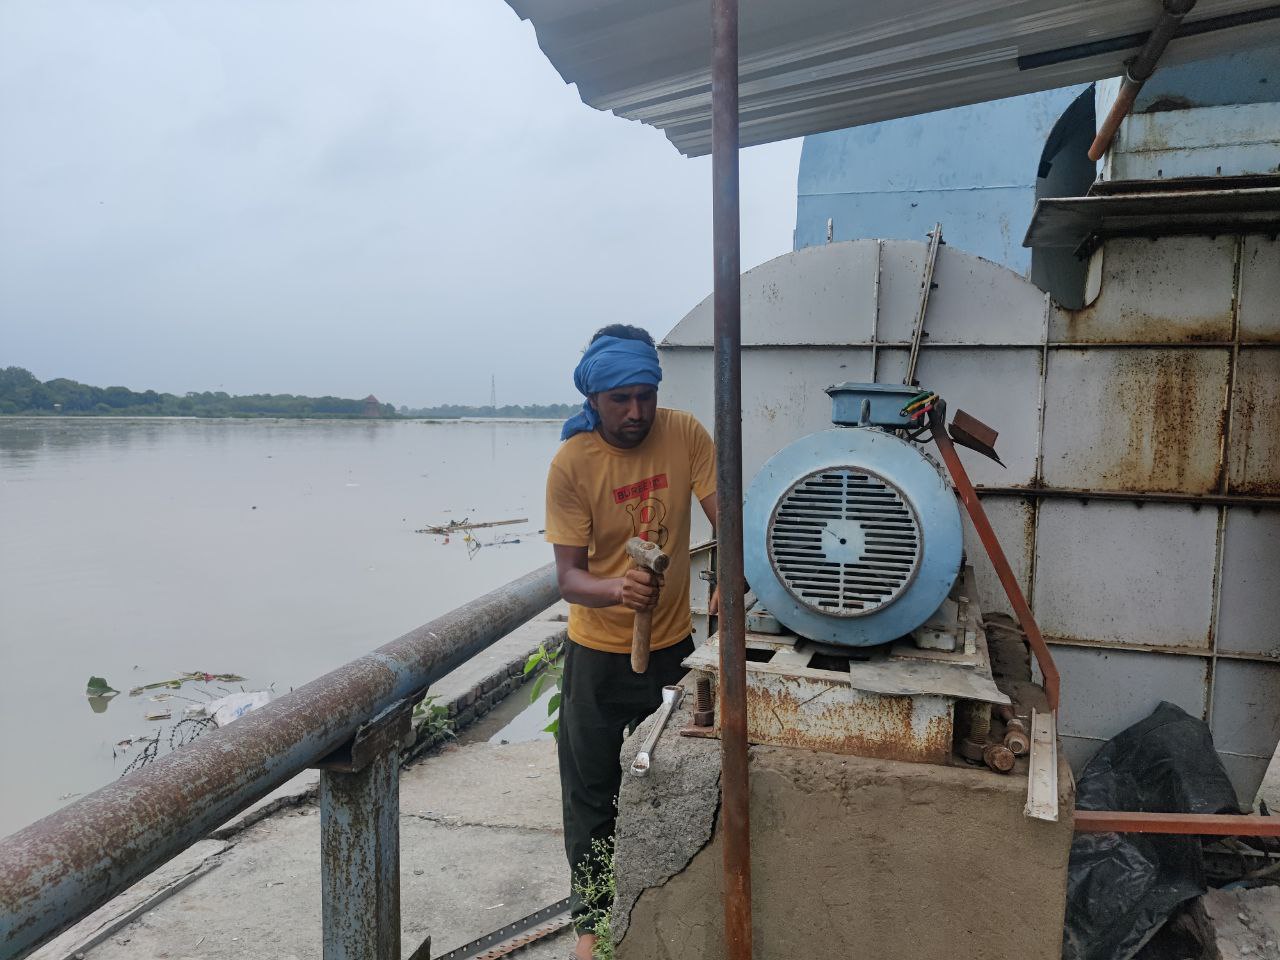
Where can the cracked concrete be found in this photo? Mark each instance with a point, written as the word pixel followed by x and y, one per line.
pixel 680 796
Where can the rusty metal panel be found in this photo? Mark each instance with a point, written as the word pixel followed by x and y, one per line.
pixel 1104 691
pixel 1170 290
pixel 1260 290
pixel 975 301
pixel 1228 140
pixel 797 712
pixel 1246 707
pixel 1249 609
pixel 1255 427
pixel 1135 419
pixel 1119 573
pixel 1013 520
pixel 981 382
pixel 1246 719
pixel 894 703
pixel 818 295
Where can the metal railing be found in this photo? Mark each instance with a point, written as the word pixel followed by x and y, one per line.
pixel 351 723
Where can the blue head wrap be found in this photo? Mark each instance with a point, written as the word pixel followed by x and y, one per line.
pixel 609 363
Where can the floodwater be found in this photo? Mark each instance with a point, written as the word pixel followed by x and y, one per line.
pixel 276 550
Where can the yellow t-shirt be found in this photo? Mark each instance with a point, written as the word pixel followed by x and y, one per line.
pixel 599 496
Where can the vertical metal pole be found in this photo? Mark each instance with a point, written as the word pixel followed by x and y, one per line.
pixel 360 843
pixel 735 809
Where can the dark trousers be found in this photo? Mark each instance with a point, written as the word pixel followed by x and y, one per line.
pixel 601 698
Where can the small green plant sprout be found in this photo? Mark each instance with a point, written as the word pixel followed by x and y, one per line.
pixel 596 883
pixel 431 719
pixel 552 667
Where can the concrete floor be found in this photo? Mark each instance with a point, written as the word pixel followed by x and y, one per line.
pixel 481 845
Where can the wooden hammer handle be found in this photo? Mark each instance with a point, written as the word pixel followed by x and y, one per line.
pixel 640 640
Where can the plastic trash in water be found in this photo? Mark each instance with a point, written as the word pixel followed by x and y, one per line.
pixel 234 706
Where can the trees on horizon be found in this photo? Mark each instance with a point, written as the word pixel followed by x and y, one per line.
pixel 21 392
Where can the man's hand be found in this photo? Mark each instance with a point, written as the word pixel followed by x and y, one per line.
pixel 640 589
pixel 713 607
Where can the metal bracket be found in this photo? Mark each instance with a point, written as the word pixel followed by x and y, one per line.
pixel 386 731
pixel 926 287
pixel 1042 775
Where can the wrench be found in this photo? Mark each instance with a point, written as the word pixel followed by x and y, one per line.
pixel 670 700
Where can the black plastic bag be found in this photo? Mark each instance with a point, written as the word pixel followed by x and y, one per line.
pixel 1122 887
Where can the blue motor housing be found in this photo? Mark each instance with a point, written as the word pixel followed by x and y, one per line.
pixel 852 537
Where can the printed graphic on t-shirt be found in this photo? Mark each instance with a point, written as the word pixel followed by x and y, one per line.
pixel 647 517
pixel 640 489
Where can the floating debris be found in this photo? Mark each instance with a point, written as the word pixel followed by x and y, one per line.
pixel 99 693
pixel 98 687
pixel 234 706
pixel 159 715
pixel 195 676
pixel 454 526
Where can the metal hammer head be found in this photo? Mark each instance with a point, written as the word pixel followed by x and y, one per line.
pixel 648 555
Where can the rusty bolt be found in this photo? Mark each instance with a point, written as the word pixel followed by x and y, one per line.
pixel 971 750
pixel 704 706
pixel 979 722
pixel 998 757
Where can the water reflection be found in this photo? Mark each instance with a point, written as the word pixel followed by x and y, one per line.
pixel 23 439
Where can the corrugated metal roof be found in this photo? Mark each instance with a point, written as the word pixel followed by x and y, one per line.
pixel 813 65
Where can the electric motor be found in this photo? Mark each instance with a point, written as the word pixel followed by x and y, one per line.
pixel 853 537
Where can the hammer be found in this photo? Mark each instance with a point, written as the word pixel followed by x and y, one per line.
pixel 648 556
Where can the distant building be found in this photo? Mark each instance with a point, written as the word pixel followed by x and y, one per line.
pixel 372 408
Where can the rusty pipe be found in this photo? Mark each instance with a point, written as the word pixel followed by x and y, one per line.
pixel 1137 71
pixel 1185 824
pixel 727 313
pixel 991 543
pixel 58 869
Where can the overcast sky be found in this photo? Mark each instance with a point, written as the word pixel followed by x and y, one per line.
pixel 305 196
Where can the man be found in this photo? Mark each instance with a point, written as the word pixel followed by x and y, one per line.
pixel 627 469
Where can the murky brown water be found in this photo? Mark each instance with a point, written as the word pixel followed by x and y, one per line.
pixel 140 549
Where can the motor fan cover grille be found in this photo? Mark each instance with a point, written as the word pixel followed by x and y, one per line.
pixel 844 541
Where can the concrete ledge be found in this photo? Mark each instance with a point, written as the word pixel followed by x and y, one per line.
pixel 851 857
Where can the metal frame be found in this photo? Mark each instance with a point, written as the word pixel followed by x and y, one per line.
pixel 61 868
pixel 1185 824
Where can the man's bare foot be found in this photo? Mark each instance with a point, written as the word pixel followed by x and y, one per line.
pixel 585 946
